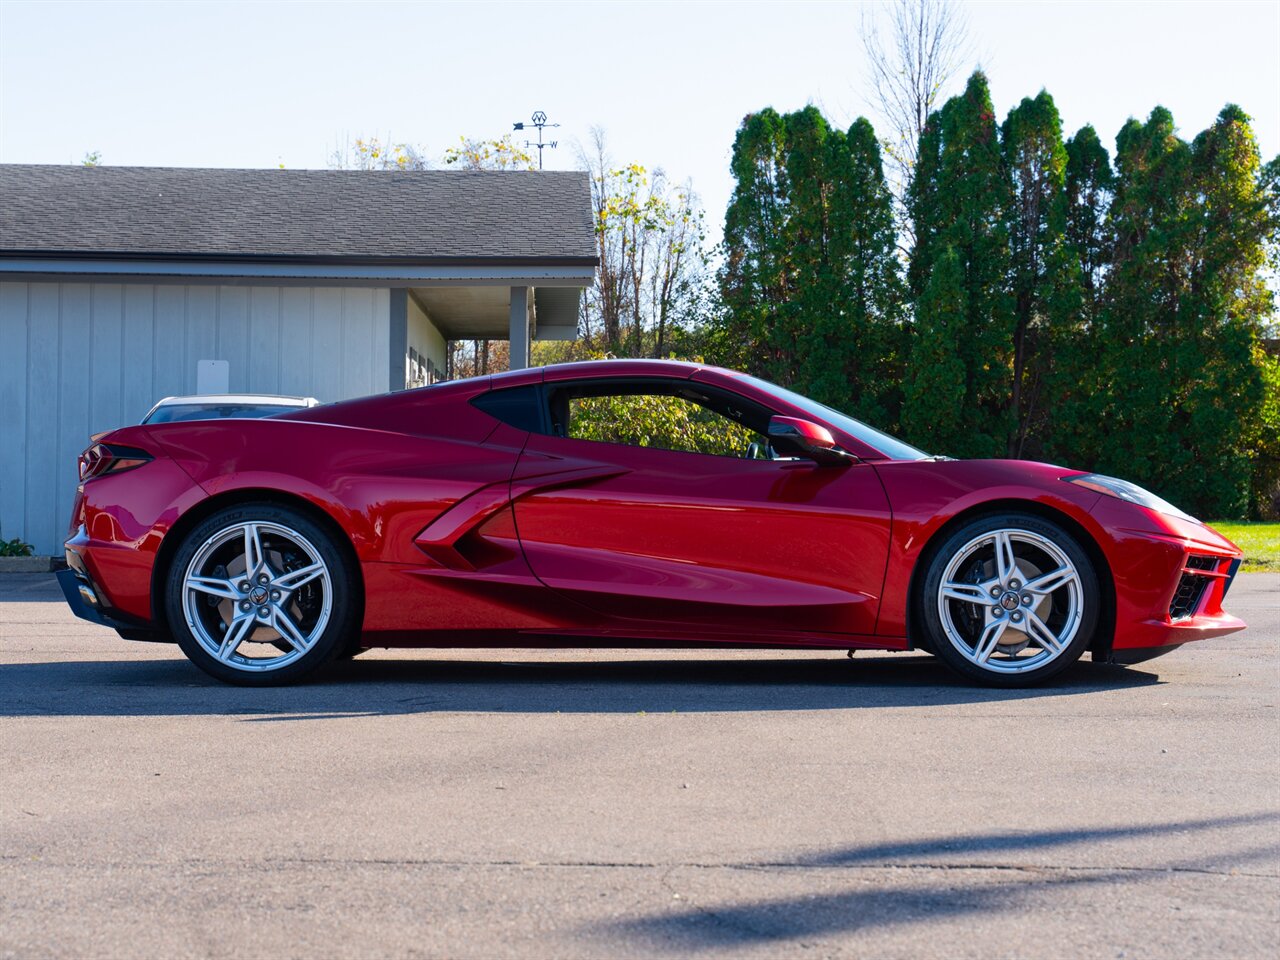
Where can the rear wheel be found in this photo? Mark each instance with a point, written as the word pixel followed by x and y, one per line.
pixel 260 594
pixel 1009 600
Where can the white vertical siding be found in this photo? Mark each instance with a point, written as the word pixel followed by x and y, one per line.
pixel 79 358
pixel 425 337
pixel 13 409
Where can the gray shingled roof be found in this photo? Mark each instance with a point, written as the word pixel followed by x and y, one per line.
pixel 348 214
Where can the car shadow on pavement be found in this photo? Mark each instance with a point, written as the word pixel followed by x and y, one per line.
pixel 945 878
pixel 173 687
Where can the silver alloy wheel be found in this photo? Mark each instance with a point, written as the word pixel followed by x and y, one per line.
pixel 1010 601
pixel 257 596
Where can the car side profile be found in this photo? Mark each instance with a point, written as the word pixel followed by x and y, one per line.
pixel 620 503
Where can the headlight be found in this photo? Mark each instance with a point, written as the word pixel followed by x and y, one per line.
pixel 1124 490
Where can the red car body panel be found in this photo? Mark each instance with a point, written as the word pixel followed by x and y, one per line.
pixel 471 532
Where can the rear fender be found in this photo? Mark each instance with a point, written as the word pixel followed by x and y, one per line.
pixel 380 488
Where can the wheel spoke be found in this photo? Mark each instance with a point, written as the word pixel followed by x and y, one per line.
pixel 237 631
pixel 1051 581
pixel 989 640
pixel 254 560
pixel 289 630
pixel 965 592
pixel 239 563
pixel 1039 631
pixel 297 578
pixel 1006 562
pixel 1026 581
pixel 214 587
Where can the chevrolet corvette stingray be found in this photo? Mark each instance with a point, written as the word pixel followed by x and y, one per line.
pixel 620 503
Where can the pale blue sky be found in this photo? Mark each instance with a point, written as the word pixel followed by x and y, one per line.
pixel 257 84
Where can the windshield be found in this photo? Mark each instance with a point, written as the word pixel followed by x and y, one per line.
pixel 891 447
pixel 220 411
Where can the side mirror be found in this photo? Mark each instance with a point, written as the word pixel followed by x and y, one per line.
pixel 803 438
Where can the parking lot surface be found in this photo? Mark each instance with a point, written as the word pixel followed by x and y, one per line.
pixel 648 803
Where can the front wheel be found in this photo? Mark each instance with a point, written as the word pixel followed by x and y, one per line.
pixel 260 594
pixel 1009 600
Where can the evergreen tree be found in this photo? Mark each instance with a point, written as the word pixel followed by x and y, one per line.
pixel 812 155
pixel 1089 183
pixel 811 278
pixel 1183 304
pixel 1045 292
pixel 853 356
pixel 755 283
pixel 933 408
pixel 963 208
pixel 923 206
pixel 1071 388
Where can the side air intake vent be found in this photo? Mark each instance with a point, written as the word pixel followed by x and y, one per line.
pixel 1191 588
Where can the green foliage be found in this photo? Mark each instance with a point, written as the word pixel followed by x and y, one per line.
pixel 1262 443
pixel 666 422
pixel 933 413
pixel 1175 382
pixel 15 548
pixel 1088 185
pixel 652 284
pixel 963 212
pixel 1044 282
pixel 853 350
pixel 810 285
pixel 1071 399
pixel 755 284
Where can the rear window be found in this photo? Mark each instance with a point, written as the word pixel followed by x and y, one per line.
pixel 221 411
pixel 519 407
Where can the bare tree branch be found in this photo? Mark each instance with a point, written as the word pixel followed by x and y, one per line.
pixel 909 68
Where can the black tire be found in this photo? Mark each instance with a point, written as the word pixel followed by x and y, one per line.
pixel 323 610
pixel 1067 614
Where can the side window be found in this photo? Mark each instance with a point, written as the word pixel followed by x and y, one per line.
pixel 664 421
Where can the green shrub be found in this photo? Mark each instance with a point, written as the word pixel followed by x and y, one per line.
pixel 15 548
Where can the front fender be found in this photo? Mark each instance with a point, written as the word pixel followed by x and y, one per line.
pixel 929 497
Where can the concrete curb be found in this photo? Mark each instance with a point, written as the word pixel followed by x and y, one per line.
pixel 25 564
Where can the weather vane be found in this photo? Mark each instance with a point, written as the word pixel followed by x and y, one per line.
pixel 539 120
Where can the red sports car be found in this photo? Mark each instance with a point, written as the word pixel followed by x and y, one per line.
pixel 620 503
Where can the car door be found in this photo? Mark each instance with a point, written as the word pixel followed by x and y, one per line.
pixel 681 536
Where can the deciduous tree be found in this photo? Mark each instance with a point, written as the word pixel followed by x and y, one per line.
pixel 912 53
pixel 650 239
pixel 499 153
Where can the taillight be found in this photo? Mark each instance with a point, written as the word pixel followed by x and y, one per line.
pixel 104 458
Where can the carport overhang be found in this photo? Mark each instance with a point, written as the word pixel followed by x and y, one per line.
pixel 516 299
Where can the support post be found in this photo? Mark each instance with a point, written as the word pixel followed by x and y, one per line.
pixel 519 328
pixel 399 339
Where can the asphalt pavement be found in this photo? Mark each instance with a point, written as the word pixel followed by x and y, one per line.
pixel 634 804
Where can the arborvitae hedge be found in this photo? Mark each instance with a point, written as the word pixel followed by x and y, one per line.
pixel 1050 306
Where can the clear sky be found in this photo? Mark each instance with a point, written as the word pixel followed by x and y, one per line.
pixel 228 84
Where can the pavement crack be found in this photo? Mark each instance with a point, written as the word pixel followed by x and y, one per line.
pixel 668 867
